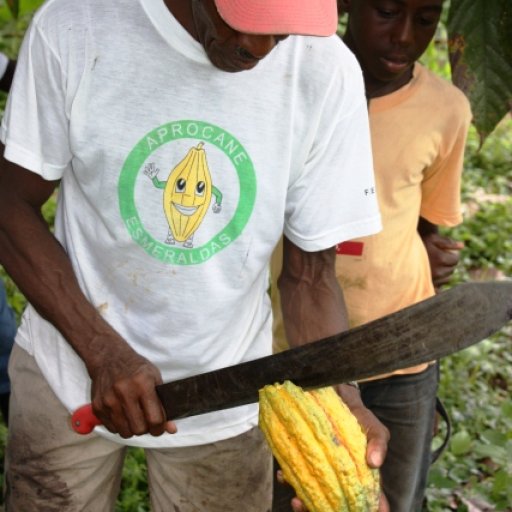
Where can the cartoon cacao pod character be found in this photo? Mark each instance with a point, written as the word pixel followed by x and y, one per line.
pixel 320 447
pixel 188 193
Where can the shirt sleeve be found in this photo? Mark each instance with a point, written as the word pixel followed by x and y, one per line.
pixel 334 198
pixel 441 202
pixel 35 126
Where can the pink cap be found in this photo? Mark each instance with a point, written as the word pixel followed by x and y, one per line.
pixel 280 17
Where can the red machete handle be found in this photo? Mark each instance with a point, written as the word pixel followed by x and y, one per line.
pixel 84 420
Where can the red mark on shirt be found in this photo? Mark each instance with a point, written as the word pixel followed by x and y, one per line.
pixel 350 249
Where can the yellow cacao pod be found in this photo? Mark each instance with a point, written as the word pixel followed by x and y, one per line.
pixel 187 194
pixel 320 447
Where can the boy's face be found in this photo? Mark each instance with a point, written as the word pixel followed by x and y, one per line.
pixel 226 48
pixel 388 36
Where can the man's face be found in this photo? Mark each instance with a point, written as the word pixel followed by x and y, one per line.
pixel 226 48
pixel 388 36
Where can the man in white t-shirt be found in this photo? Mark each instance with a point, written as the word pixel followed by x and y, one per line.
pixel 186 137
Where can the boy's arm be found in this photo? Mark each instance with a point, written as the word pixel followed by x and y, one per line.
pixel 443 252
pixel 123 382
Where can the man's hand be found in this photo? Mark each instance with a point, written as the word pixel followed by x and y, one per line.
pixel 123 393
pixel 376 433
pixel 443 255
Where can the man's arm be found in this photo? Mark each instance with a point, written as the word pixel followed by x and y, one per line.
pixel 313 308
pixel 443 252
pixel 311 298
pixel 123 382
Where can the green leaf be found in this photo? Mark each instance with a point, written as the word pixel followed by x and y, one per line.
pixel 460 443
pixel 506 409
pixel 14 7
pixel 437 478
pixel 498 454
pixel 480 47
pixel 494 437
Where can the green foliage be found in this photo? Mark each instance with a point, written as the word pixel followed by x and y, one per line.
pixel 14 19
pixel 134 490
pixel 487 198
pixel 488 167
pixel 486 247
pixel 14 7
pixel 480 46
pixel 477 467
pixel 435 57
pixel 475 473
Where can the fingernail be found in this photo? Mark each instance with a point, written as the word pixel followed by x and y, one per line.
pixel 375 459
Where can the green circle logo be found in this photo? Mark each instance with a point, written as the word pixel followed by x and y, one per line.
pixel 170 252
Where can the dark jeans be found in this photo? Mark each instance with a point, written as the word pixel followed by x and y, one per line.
pixel 406 405
pixel 7 332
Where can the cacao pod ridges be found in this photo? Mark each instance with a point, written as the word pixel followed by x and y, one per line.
pixel 320 447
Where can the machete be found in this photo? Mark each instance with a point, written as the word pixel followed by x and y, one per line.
pixel 442 325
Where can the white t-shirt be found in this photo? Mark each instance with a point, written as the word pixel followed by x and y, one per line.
pixel 108 91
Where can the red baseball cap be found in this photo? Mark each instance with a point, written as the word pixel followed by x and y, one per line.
pixel 280 17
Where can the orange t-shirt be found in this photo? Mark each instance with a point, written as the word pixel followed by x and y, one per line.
pixel 418 138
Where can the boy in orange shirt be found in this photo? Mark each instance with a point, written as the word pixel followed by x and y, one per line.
pixel 418 126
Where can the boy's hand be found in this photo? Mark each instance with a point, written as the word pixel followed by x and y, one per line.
pixel 443 255
pixel 376 433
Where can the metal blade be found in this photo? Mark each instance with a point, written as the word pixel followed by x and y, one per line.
pixel 429 330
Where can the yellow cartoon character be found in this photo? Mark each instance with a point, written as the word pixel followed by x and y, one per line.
pixel 187 194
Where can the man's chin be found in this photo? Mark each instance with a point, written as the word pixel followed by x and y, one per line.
pixel 234 65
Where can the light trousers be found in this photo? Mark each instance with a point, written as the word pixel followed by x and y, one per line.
pixel 50 468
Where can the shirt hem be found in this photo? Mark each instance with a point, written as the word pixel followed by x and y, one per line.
pixel 181 441
pixel 20 156
pixel 359 229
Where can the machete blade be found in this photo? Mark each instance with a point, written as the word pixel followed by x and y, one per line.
pixel 442 325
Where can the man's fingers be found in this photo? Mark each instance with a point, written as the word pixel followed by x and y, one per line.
pixel 377 448
pixel 156 420
pixel 170 427
pixel 297 505
pixel 136 417
pixel 155 415
pixel 383 504
pixel 376 433
pixel 116 421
